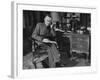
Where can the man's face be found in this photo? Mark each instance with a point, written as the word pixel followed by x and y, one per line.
pixel 47 20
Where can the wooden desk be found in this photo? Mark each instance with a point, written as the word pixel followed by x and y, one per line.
pixel 78 43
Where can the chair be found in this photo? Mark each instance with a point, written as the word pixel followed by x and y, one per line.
pixel 39 55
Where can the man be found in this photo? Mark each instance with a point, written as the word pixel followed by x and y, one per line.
pixel 45 34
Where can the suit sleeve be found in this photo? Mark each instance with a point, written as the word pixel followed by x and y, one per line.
pixel 36 33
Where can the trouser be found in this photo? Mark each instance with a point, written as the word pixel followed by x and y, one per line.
pixel 53 54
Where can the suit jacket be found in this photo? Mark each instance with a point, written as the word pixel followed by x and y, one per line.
pixel 41 32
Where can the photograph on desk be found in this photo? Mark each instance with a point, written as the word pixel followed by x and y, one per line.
pixel 56 39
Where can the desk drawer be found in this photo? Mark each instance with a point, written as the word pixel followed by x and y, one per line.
pixel 80 46
pixel 76 38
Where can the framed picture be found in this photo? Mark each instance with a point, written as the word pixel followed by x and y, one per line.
pixel 50 40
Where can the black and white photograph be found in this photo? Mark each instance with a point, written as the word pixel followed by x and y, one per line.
pixel 50 40
pixel 54 39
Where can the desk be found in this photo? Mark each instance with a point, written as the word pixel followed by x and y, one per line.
pixel 78 43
